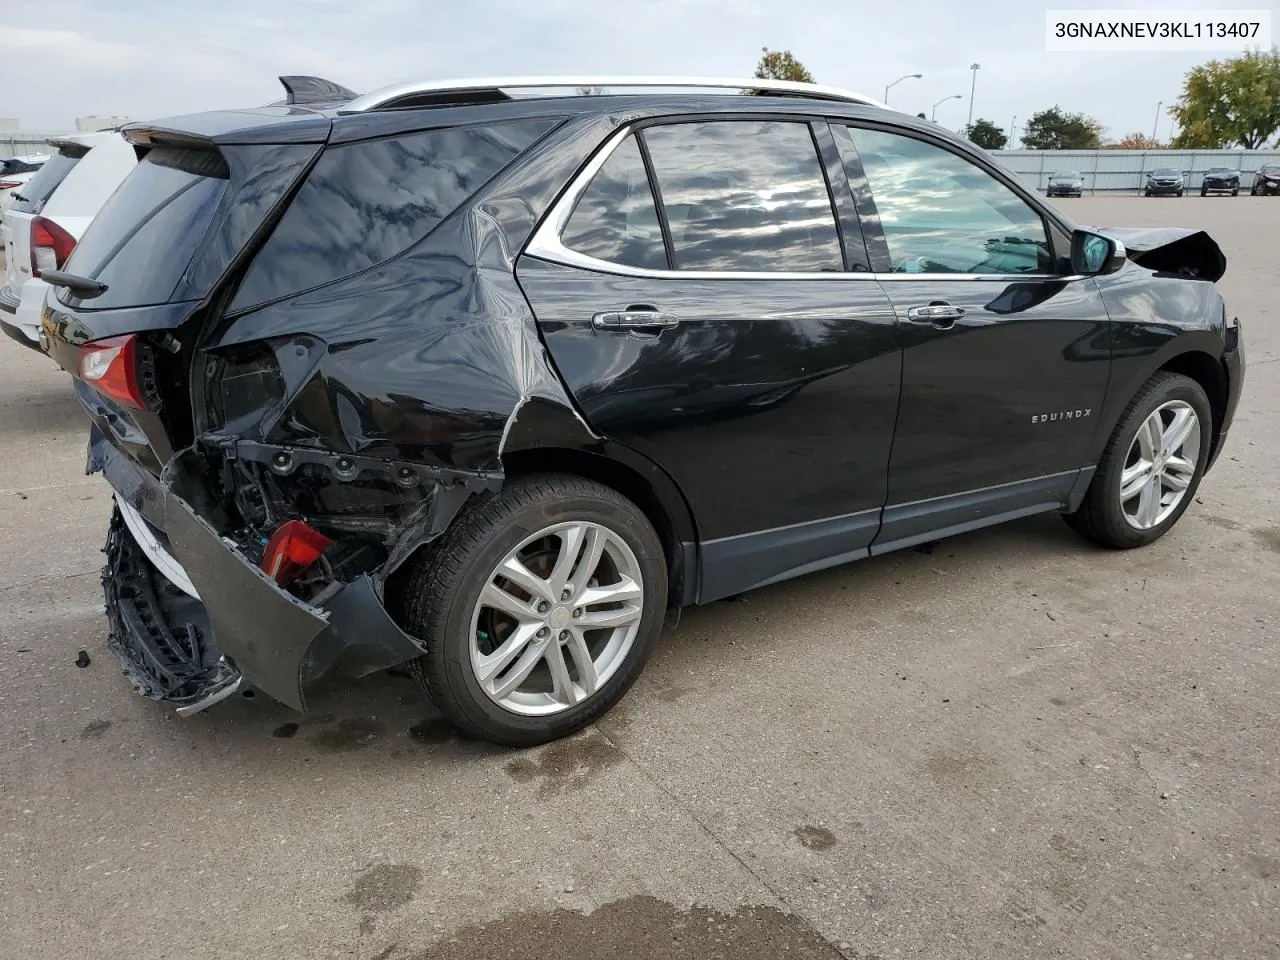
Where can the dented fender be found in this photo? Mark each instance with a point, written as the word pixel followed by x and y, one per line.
pixel 1176 250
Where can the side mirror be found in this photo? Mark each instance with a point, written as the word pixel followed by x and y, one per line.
pixel 1092 253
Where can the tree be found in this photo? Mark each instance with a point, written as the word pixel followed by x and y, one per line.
pixel 590 91
pixel 781 65
pixel 921 115
pixel 1053 129
pixel 986 135
pixel 1230 102
pixel 1134 141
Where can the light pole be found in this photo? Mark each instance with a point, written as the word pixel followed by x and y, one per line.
pixel 909 76
pixel 1156 125
pixel 933 115
pixel 973 85
pixel 1011 123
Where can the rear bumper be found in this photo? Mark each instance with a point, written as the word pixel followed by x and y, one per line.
pixel 8 300
pixel 255 630
pixel 20 312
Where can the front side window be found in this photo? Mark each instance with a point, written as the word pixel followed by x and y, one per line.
pixel 942 214
pixel 744 195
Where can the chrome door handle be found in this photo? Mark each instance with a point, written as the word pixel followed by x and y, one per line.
pixel 639 319
pixel 940 315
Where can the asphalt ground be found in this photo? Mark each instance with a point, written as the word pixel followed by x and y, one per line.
pixel 1010 745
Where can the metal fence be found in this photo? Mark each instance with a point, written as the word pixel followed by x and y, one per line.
pixel 1110 171
pixel 22 143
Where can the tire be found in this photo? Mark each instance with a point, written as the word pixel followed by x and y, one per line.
pixel 1204 193
pixel 1146 193
pixel 440 602
pixel 1101 517
pixel 1235 192
pixel 1179 193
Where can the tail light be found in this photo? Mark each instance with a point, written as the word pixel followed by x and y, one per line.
pixel 111 367
pixel 9 184
pixel 292 548
pixel 51 246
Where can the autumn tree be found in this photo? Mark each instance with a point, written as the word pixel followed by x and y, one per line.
pixel 1053 129
pixel 781 65
pixel 1135 141
pixel 1233 102
pixel 986 135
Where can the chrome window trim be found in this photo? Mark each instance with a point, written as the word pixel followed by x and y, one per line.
pixel 545 244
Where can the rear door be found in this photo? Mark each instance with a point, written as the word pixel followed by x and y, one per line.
pixel 700 301
pixel 1005 355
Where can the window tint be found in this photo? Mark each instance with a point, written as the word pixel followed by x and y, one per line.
pixel 144 236
pixel 744 195
pixel 942 214
pixel 33 194
pixel 615 219
pixel 367 202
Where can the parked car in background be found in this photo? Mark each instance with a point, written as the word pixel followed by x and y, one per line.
pixel 50 214
pixel 1220 180
pixel 492 385
pixel 1266 181
pixel 1164 182
pixel 16 171
pixel 1069 183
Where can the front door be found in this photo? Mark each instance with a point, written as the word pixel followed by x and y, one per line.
pixel 702 308
pixel 1005 356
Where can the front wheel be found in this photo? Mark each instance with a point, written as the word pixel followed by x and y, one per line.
pixel 1235 192
pixel 1179 193
pixel 1151 467
pixel 539 607
pixel 1204 193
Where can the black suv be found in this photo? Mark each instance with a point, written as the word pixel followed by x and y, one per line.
pixel 491 386
pixel 1266 181
pixel 1220 180
pixel 1164 182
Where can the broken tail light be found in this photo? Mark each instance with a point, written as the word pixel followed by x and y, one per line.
pixel 111 367
pixel 291 550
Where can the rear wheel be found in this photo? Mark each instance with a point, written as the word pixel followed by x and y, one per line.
pixel 1151 467
pixel 538 607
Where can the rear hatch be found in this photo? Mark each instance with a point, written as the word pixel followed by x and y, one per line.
pixel 15 231
pixel 161 253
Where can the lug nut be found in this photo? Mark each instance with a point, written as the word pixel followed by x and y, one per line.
pixel 542 634
pixel 564 636
pixel 566 594
pixel 543 607
pixel 577 613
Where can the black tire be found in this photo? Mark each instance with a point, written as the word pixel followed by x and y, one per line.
pixel 1100 516
pixel 1146 193
pixel 1204 193
pixel 1235 192
pixel 439 594
pixel 1179 193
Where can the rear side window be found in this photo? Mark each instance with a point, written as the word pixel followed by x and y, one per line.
pixel 744 195
pixel 369 201
pixel 33 194
pixel 616 219
pixel 142 239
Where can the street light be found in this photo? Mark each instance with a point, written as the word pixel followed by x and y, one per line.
pixel 933 115
pixel 1155 126
pixel 909 76
pixel 1011 123
pixel 973 85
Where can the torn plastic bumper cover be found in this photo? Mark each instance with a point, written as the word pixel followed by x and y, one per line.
pixel 275 641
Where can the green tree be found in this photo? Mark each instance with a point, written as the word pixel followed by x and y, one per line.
pixel 781 65
pixel 1233 102
pixel 986 135
pixel 1134 141
pixel 1053 129
pixel 922 116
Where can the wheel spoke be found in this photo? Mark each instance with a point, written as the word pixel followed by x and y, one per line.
pixel 519 673
pixel 494 596
pixel 561 683
pixel 1149 502
pixel 1133 479
pixel 572 538
pixel 493 664
pixel 624 591
pixel 609 619
pixel 592 550
pixel 577 647
pixel 1178 472
pixel 514 570
pixel 1176 434
pixel 1150 436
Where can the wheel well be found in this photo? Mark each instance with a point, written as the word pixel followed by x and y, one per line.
pixel 1206 371
pixel 622 478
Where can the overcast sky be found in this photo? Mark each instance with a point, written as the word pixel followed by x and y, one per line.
pixel 60 59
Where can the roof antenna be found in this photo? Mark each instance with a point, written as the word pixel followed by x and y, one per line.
pixel 301 89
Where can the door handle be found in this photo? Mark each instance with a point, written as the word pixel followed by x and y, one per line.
pixel 939 314
pixel 639 319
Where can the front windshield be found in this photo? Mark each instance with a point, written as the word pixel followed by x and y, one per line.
pixel 1067 175
pixel 1166 172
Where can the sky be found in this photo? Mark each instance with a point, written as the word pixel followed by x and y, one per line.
pixel 143 59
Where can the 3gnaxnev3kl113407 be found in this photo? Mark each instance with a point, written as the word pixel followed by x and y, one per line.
pixel 490 379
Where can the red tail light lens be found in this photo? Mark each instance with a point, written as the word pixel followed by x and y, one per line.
pixel 111 367
pixel 292 548
pixel 51 246
pixel 9 184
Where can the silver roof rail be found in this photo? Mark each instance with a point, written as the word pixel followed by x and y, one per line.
pixel 485 87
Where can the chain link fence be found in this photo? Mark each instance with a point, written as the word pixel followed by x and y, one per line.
pixel 1119 171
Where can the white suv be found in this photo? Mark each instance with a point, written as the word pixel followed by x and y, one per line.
pixel 16 171
pixel 48 217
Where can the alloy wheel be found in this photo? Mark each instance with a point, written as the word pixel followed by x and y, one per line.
pixel 1160 465
pixel 556 618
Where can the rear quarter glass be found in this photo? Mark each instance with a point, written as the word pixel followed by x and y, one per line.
pixel 36 191
pixel 142 239
pixel 366 202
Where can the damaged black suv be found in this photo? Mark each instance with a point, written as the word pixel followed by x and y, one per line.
pixel 490 379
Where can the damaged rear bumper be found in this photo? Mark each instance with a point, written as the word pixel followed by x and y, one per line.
pixel 243 629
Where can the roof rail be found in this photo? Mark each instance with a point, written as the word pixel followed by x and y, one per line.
pixel 487 89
